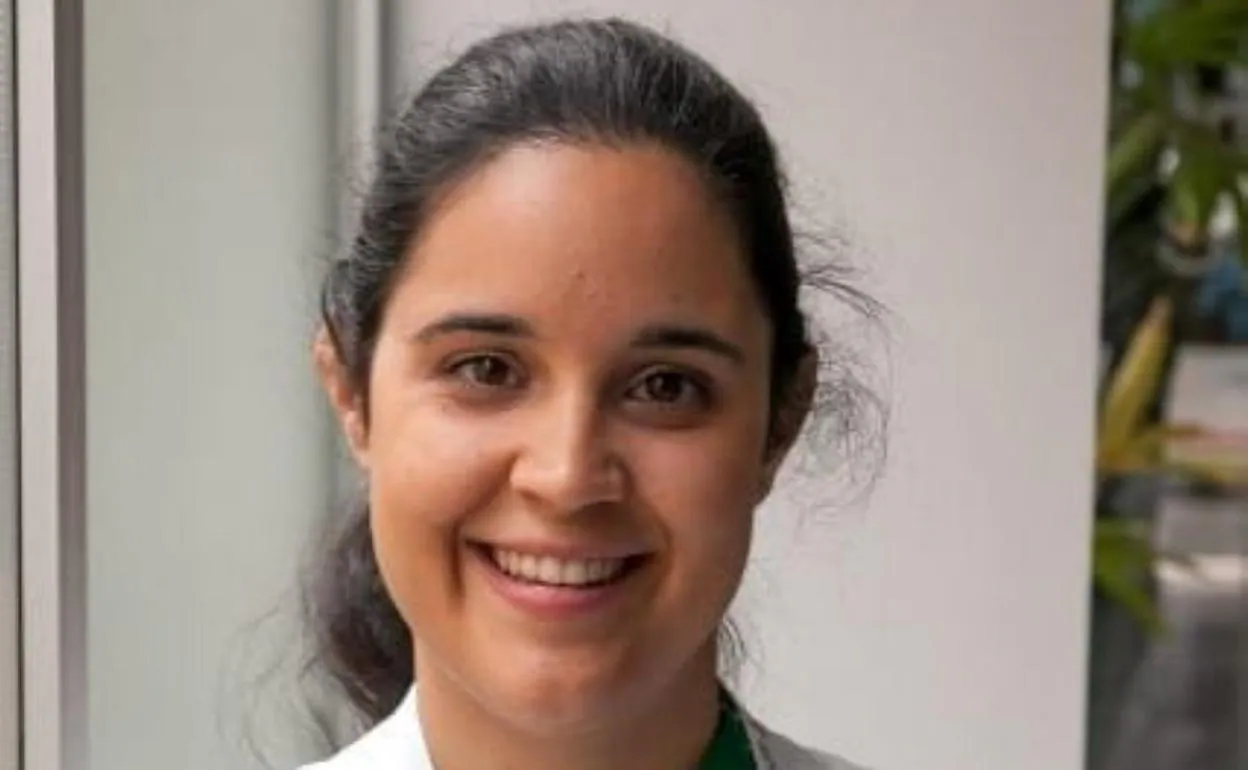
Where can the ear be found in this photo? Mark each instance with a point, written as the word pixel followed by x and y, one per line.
pixel 791 412
pixel 348 405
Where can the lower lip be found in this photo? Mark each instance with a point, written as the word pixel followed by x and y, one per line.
pixel 549 602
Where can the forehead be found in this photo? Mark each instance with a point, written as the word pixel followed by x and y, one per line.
pixel 571 232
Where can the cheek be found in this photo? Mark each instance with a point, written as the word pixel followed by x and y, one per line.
pixel 428 465
pixel 704 490
pixel 428 473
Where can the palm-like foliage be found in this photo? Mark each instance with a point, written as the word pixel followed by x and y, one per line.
pixel 1166 139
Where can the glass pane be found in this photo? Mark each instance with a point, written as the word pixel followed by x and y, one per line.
pixel 1169 658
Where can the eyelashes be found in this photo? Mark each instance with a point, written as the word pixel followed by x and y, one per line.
pixel 657 387
pixel 671 388
pixel 486 370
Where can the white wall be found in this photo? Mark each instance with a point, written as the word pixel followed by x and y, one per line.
pixel 944 627
pixel 208 152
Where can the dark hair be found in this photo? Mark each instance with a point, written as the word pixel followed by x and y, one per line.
pixel 603 82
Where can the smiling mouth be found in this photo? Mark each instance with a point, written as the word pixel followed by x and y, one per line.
pixel 559 572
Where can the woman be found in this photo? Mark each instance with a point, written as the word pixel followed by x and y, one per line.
pixel 567 354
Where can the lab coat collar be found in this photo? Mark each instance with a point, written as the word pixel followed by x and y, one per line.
pixel 398 743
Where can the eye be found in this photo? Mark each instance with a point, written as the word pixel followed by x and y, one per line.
pixel 486 370
pixel 670 389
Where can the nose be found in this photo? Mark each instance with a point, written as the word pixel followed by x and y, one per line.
pixel 566 463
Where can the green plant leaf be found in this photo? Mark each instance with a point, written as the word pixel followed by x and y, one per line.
pixel 1122 559
pixel 1241 222
pixel 1205 172
pixel 1210 32
pixel 1135 149
pixel 1129 192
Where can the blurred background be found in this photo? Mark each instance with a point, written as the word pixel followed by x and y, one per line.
pixel 1050 574
pixel 1168 678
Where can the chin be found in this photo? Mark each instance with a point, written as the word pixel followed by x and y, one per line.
pixel 561 699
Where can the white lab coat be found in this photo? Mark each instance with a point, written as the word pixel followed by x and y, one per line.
pixel 398 744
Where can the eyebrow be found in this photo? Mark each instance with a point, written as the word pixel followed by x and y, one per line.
pixel 481 323
pixel 688 337
pixel 671 336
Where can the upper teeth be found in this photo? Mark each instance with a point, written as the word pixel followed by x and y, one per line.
pixel 548 569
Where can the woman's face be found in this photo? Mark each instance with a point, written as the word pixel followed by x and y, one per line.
pixel 565 443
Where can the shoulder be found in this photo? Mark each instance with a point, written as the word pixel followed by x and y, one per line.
pixel 372 752
pixel 776 752
pixel 394 744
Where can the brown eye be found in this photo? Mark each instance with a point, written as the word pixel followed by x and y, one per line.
pixel 486 371
pixel 670 389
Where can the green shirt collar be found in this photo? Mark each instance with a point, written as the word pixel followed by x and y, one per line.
pixel 730 747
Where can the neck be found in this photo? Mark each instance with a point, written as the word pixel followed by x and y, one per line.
pixel 670 730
